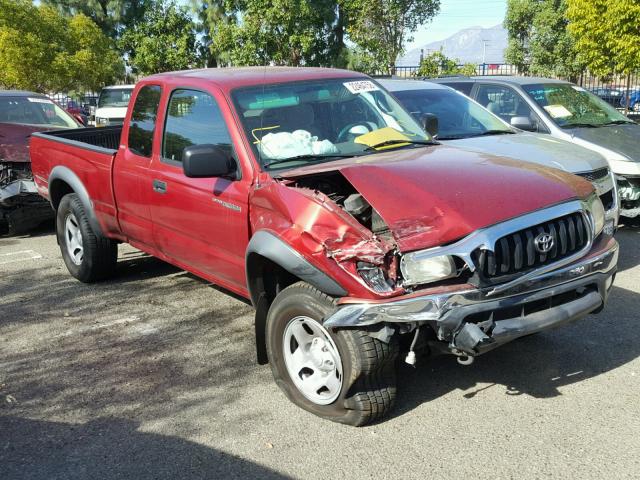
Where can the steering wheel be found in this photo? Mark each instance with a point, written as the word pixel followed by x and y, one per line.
pixel 346 135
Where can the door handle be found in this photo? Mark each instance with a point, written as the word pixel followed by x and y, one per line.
pixel 159 186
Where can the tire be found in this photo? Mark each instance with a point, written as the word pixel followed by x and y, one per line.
pixel 368 366
pixel 95 256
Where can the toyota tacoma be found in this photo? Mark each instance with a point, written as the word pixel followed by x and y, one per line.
pixel 314 194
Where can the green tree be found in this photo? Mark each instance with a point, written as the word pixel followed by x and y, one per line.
pixel 42 50
pixel 164 41
pixel 607 34
pixel 437 63
pixel 280 32
pixel 539 42
pixel 381 28
pixel 112 16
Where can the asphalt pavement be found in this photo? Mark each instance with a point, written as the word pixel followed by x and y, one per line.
pixel 152 375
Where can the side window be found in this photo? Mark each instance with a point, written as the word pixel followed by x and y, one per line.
pixel 193 118
pixel 143 120
pixel 506 103
pixel 503 101
pixel 464 87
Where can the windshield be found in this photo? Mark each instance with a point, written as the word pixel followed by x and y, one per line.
pixel 294 124
pixel 570 105
pixel 34 111
pixel 458 116
pixel 114 97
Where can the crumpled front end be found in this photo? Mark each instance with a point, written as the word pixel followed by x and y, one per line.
pixel 21 208
pixel 525 275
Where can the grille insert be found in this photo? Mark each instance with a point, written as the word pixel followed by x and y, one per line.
pixel 517 251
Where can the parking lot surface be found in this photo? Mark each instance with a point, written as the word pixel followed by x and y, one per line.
pixel 153 375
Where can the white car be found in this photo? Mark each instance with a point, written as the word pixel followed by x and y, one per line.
pixel 112 105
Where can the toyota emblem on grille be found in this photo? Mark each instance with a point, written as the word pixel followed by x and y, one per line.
pixel 544 243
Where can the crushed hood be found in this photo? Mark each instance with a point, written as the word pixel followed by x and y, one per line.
pixel 536 148
pixel 622 139
pixel 14 141
pixel 436 195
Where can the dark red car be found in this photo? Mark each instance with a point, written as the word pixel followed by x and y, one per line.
pixel 21 114
pixel 313 193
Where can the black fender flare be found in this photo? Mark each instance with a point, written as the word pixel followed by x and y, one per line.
pixel 64 174
pixel 266 245
pixel 269 246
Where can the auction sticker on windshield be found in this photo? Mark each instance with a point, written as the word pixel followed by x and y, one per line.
pixel 361 86
pixel 38 100
pixel 558 111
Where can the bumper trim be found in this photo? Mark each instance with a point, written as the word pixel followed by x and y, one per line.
pixel 446 312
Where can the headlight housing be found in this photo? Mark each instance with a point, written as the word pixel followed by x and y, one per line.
pixel 432 269
pixel 596 209
pixel 101 121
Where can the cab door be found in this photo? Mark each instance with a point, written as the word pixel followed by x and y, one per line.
pixel 201 223
pixel 131 167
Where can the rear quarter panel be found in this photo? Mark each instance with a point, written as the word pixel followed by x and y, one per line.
pixel 92 167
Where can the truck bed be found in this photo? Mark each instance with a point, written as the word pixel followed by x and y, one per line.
pixel 104 138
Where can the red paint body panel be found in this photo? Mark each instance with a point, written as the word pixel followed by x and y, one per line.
pixel 428 196
pixel 435 195
pixel 14 141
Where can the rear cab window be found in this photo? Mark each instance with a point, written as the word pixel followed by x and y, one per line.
pixel 143 120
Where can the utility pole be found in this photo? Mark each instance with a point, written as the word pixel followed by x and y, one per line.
pixel 484 55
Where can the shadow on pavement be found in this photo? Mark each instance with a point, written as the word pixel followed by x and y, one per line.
pixel 110 448
pixel 537 365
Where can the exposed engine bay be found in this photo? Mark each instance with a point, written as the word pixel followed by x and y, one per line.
pixel 340 191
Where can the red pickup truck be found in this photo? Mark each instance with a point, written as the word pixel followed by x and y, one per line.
pixel 313 193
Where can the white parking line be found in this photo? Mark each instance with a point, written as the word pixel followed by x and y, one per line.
pixel 99 326
pixel 19 256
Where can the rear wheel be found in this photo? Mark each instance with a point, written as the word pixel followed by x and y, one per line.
pixel 344 376
pixel 88 255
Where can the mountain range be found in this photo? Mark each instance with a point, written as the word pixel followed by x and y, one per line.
pixel 466 45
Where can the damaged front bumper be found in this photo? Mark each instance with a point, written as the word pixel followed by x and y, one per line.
pixel 21 208
pixel 629 193
pixel 472 321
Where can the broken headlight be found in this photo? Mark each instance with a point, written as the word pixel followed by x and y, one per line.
pixel 374 276
pixel 416 270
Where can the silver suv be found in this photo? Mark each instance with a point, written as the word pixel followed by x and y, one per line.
pixel 566 111
pixel 465 124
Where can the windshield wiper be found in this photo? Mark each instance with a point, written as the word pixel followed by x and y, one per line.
pixel 493 132
pixel 618 122
pixel 387 143
pixel 307 156
pixel 578 125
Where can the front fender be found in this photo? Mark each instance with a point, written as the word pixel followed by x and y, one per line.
pixel 267 245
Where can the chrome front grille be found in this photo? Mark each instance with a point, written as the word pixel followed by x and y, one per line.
pixel 524 250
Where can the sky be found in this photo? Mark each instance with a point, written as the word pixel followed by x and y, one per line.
pixel 456 15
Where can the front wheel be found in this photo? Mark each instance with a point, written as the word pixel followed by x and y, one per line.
pixel 345 376
pixel 88 255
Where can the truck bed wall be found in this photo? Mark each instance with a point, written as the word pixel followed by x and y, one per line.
pixel 104 137
pixel 86 154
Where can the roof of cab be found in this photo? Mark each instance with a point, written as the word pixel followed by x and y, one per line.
pixel 229 78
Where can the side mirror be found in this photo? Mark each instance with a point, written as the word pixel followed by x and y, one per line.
pixel 523 123
pixel 201 161
pixel 430 124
